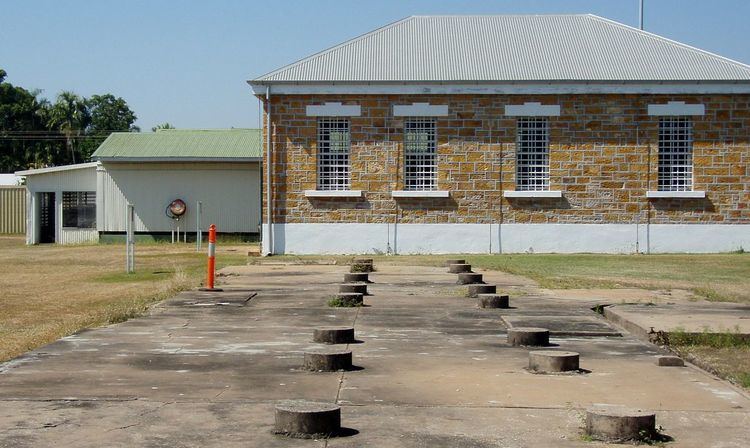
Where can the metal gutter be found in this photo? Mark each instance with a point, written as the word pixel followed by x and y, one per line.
pixel 269 212
pixel 180 159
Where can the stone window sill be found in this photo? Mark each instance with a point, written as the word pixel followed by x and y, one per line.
pixel 675 194
pixel 420 194
pixel 333 193
pixel 532 194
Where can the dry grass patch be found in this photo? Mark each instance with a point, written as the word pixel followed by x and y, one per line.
pixel 52 291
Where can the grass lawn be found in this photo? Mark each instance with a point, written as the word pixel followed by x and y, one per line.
pixel 50 291
pixel 727 354
pixel 719 277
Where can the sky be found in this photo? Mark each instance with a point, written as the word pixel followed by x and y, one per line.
pixel 187 62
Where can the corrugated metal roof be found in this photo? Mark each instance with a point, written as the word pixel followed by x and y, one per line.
pixel 56 169
pixel 182 144
pixel 509 48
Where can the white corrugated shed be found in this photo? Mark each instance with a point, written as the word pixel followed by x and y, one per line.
pixel 56 180
pixel 509 48
pixel 229 193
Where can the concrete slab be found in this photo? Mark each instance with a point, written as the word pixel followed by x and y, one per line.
pixel 692 317
pixel 565 325
pixel 435 371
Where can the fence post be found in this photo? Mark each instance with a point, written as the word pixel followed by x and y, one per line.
pixel 130 238
pixel 198 233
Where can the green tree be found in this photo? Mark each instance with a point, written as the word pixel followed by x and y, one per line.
pixel 162 126
pixel 35 133
pixel 24 137
pixel 108 114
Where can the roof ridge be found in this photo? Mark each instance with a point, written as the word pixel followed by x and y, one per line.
pixel 336 47
pixel 203 130
pixel 502 15
pixel 668 40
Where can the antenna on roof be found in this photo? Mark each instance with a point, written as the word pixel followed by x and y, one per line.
pixel 640 15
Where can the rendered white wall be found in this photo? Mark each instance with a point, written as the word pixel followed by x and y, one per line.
pixel 699 238
pixel 507 238
pixel 229 192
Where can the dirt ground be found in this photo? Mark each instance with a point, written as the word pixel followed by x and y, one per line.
pixel 206 369
pixel 49 291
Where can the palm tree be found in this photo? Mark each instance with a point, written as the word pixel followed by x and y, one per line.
pixel 69 115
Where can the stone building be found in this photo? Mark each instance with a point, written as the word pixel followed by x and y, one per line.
pixel 503 134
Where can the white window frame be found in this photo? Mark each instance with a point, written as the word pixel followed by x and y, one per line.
pixel 528 151
pixel 333 159
pixel 420 157
pixel 675 154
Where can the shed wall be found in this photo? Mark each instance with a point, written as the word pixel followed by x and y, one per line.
pixel 12 209
pixel 229 192
pixel 83 179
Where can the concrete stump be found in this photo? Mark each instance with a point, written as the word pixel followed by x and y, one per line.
pixel 451 261
pixel 618 424
pixel 350 298
pixel 353 277
pixel 669 361
pixel 328 360
pixel 493 301
pixel 458 268
pixel 333 335
pixel 307 419
pixel 475 290
pixel 469 278
pixel 359 288
pixel 361 267
pixel 529 336
pixel 552 361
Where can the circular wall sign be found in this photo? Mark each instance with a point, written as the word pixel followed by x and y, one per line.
pixel 176 208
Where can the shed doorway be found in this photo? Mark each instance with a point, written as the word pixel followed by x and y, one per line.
pixel 46 217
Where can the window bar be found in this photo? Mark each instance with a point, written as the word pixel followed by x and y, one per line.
pixel 334 145
pixel 532 154
pixel 420 154
pixel 675 154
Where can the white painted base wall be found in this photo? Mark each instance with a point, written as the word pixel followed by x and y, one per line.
pixel 506 238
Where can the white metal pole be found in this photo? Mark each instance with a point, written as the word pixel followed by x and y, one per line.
pixel 198 236
pixel 640 16
pixel 269 182
pixel 129 238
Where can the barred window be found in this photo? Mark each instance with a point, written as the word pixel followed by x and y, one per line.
pixel 420 155
pixel 532 154
pixel 334 142
pixel 675 154
pixel 79 209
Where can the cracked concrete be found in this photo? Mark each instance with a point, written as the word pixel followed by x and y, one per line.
pixel 205 369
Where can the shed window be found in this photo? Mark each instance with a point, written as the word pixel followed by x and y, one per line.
pixel 532 154
pixel 420 155
pixel 334 146
pixel 79 209
pixel 675 154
